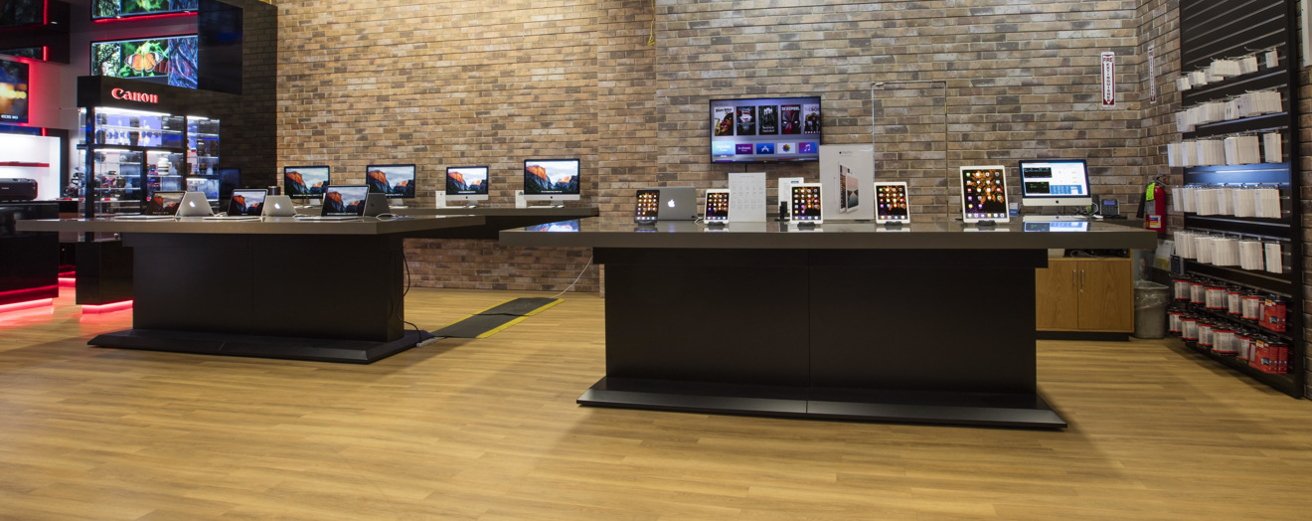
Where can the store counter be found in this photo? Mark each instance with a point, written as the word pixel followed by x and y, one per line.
pixel 327 291
pixel 930 323
pixel 498 218
pixel 29 262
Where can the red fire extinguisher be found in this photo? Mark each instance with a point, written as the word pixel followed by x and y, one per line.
pixel 1153 209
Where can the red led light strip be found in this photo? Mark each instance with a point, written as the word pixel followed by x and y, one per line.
pixel 108 308
pixel 67 282
pixel 144 17
pixel 27 305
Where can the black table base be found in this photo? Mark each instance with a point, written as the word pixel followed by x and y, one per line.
pixel 291 348
pixel 332 298
pixel 921 336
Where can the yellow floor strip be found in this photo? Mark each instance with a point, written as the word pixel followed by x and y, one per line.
pixel 502 327
pixel 545 307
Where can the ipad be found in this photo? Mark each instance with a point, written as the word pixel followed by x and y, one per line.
pixel 849 193
pixel 807 203
pixel 247 202
pixel 647 207
pixel 984 194
pixel 891 204
pixel 717 205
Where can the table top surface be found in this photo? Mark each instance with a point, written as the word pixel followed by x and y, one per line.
pixel 565 212
pixel 623 233
pixel 269 226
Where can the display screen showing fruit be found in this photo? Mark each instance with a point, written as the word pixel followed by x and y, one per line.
pixel 117 8
pixel 159 60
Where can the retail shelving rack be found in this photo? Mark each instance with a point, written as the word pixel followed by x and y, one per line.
pixel 1213 30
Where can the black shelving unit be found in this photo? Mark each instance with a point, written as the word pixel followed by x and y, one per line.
pixel 1217 30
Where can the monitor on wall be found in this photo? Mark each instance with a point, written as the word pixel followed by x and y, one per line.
pixel 765 130
pixel 102 9
pixel 396 181
pixel 305 181
pixel 13 92
pixel 168 60
pixel 551 179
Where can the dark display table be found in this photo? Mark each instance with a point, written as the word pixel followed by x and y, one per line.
pixel 326 291
pixel 29 262
pixel 927 324
pixel 497 219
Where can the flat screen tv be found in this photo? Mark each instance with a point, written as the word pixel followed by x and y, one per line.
pixel 169 60
pixel 393 180
pixel 305 181
pixel 101 9
pixel 765 130
pixel 13 92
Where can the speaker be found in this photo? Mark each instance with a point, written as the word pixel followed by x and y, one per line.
pixel 17 189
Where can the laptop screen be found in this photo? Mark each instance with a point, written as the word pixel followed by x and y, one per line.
pixel 164 203
pixel 247 202
pixel 344 200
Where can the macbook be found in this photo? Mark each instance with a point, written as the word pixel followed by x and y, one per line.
pixel 678 204
pixel 341 203
pixel 245 205
pixel 162 206
pixel 195 204
pixel 278 206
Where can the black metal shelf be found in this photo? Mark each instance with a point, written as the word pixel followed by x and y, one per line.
pixel 1231 319
pixel 1289 384
pixel 1212 30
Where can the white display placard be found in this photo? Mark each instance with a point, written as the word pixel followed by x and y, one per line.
pixel 847 173
pixel 785 190
pixel 747 197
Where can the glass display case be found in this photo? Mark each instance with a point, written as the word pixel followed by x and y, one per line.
pixel 128 155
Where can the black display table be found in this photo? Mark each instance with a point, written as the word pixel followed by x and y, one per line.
pixel 282 289
pixel 927 324
pixel 497 219
pixel 29 262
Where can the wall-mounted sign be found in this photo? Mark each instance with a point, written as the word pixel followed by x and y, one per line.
pixel 1152 73
pixel 1109 80
pixel 140 97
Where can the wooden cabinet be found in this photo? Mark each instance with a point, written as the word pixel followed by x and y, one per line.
pixel 1085 295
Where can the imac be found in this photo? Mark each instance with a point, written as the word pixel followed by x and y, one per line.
pixel 306 182
pixel 467 184
pixel 551 180
pixel 1055 182
pixel 394 181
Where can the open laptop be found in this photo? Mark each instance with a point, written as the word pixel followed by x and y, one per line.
pixel 341 203
pixel 245 205
pixel 162 206
pixel 195 204
pixel 677 204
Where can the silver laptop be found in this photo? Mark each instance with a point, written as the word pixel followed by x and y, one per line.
pixel 244 205
pixel 162 206
pixel 341 203
pixel 278 206
pixel 194 204
pixel 677 204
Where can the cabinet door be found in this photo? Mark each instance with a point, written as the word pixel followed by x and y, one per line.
pixel 1057 296
pixel 1106 295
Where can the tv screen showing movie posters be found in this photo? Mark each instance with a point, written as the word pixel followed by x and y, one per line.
pixel 551 177
pixel 305 181
pixel 125 8
pixel 763 130
pixel 466 180
pixel 984 193
pixel 343 200
pixel 13 92
pixel 397 181
pixel 167 60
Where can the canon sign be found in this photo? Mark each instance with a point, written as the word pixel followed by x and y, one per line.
pixel 127 95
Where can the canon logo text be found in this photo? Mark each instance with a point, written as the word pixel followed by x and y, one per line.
pixel 127 95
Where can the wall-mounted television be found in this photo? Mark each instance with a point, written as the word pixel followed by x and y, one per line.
pixel 392 180
pixel 13 92
pixel 762 130
pixel 170 60
pixel 101 9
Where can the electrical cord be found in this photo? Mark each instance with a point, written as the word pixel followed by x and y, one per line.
pixel 576 280
pixel 406 262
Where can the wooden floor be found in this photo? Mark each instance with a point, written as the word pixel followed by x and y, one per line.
pixel 488 430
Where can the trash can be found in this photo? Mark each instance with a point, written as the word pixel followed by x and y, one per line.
pixel 1150 301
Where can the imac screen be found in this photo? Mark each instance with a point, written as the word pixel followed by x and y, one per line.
pixel 551 177
pixel 393 180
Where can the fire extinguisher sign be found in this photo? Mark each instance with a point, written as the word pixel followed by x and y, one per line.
pixel 1108 80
